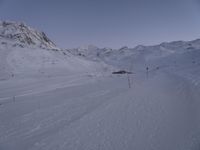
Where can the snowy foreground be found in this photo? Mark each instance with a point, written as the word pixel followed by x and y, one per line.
pixel 56 99
pixel 87 113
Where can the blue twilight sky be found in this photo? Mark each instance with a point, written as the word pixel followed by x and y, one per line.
pixel 108 23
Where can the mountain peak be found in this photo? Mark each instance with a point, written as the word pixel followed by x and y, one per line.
pixel 21 34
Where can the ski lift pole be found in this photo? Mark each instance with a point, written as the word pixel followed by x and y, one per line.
pixel 129 81
pixel 147 72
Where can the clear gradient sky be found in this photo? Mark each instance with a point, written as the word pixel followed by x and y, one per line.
pixel 108 23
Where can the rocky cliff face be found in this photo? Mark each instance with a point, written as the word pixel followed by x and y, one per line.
pixel 19 34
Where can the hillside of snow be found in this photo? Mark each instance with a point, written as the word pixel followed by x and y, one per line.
pixel 180 57
pixel 25 51
pixel 68 99
pixel 125 56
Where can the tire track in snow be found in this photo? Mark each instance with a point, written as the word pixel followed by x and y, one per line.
pixel 6 100
pixel 54 123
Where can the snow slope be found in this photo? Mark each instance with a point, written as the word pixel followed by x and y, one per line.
pixel 75 110
pixel 127 57
pixel 25 51
pixel 81 113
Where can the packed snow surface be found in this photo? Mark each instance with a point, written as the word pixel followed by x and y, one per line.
pixel 54 99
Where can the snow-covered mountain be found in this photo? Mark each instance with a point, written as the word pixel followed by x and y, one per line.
pixel 19 34
pixel 160 50
pixel 125 56
pixel 24 50
pixel 179 57
pixel 51 102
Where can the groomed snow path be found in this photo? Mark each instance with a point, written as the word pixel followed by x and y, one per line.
pixel 99 113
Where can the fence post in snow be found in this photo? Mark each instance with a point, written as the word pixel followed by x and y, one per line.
pixel 128 75
pixel 147 72
pixel 129 81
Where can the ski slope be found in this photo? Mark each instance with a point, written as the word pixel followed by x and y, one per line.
pixel 84 112
pixel 55 99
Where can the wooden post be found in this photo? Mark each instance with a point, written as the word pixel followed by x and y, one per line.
pixel 147 72
pixel 129 81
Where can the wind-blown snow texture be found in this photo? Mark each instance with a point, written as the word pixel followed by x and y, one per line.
pixel 55 99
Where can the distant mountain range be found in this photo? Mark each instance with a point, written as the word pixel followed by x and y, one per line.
pixel 24 50
pixel 125 57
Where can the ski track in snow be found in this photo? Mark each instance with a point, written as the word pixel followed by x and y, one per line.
pixel 37 89
pixel 103 114
pixel 57 99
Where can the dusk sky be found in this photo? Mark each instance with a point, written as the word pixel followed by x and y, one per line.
pixel 108 23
